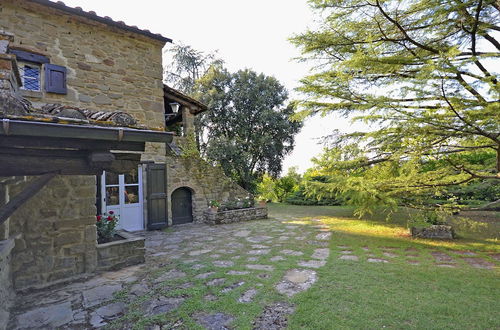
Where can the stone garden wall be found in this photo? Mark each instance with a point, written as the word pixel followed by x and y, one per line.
pixel 206 182
pixel 119 254
pixel 223 217
pixel 434 231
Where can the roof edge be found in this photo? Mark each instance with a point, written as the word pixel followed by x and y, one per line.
pixel 200 107
pixel 105 20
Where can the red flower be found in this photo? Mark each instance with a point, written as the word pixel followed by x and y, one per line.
pixel 110 218
pixel 111 212
pixel 99 218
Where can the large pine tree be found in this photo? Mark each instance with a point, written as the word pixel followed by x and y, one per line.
pixel 425 75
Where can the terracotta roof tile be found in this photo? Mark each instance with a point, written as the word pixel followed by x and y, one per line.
pixel 106 19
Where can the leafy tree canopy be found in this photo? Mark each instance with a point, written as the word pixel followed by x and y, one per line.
pixel 424 74
pixel 247 129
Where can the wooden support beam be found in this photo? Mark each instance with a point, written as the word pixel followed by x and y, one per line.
pixel 23 161
pixel 67 143
pixel 28 192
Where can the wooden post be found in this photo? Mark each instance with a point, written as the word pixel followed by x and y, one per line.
pixel 8 209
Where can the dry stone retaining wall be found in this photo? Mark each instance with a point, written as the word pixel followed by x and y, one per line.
pixel 223 217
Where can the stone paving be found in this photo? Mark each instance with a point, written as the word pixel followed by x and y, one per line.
pixel 198 264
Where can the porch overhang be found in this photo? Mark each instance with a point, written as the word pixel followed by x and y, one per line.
pixel 38 148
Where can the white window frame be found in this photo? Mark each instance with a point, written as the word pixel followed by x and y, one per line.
pixel 21 65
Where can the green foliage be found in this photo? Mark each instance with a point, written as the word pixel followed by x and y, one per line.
pixel 422 74
pixel 238 203
pixel 215 203
pixel 266 188
pixel 278 190
pixel 247 128
pixel 187 66
pixel 189 147
pixel 306 195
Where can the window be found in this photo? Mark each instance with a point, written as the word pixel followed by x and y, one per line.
pixel 30 76
pixel 30 67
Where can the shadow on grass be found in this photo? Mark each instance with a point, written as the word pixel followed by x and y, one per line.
pixel 377 230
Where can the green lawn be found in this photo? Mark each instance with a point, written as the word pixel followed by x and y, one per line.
pixel 358 294
pixel 347 295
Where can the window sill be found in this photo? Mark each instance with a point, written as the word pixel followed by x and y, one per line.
pixel 33 94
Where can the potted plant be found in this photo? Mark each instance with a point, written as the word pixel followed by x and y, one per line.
pixel 262 202
pixel 106 224
pixel 214 205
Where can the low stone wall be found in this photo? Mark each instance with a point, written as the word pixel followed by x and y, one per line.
pixel 6 290
pixel 119 254
pixel 217 218
pixel 435 231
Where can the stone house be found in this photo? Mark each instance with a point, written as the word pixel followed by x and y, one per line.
pixel 78 60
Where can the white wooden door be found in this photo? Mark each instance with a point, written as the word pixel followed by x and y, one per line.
pixel 122 194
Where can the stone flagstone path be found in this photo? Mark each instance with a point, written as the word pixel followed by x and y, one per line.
pixel 207 265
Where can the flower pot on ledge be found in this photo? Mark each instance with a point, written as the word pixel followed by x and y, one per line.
pixel 262 203
pixel 214 209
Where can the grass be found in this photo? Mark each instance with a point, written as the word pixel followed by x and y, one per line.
pixel 352 294
pixel 348 294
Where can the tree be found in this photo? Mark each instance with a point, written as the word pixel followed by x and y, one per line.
pixel 421 72
pixel 248 127
pixel 279 189
pixel 187 66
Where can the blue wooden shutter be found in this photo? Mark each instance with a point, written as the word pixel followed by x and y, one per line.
pixel 55 79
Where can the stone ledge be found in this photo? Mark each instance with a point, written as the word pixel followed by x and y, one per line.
pixel 231 216
pixel 118 254
pixel 434 231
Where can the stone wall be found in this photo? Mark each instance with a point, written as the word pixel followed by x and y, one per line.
pixel 205 181
pixel 222 217
pixel 6 290
pixel 54 232
pixel 433 232
pixel 119 254
pixel 107 68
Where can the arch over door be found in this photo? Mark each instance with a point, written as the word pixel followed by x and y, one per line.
pixel 182 206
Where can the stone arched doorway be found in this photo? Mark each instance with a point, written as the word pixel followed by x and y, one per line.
pixel 182 206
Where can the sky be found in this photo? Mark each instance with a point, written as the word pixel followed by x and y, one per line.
pixel 246 34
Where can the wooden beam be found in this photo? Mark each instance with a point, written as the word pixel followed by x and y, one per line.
pixel 28 192
pixel 22 161
pixel 62 131
pixel 67 143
